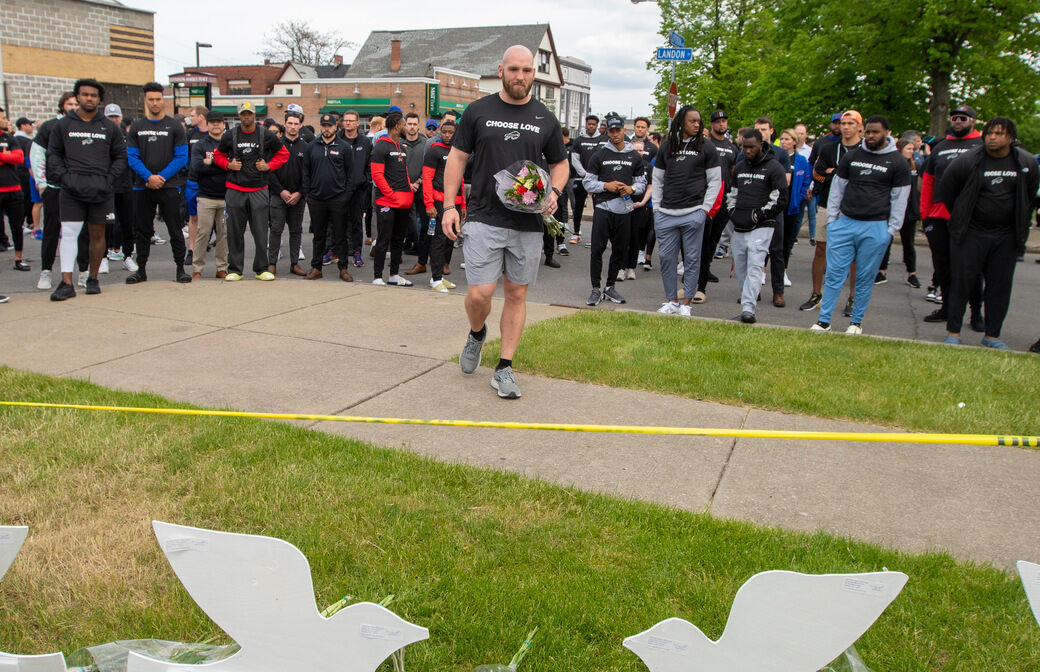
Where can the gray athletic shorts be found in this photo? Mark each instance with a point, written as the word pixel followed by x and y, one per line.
pixel 494 251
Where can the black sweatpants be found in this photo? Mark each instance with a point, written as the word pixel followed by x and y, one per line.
pixel 938 234
pixel 120 234
pixel 52 233
pixel 12 206
pixel 580 195
pixel 991 255
pixel 356 218
pixel 282 214
pixel 240 208
pixel 776 259
pixel 440 247
pixel 393 224
pixel 608 226
pixel 712 232
pixel 169 202
pixel 640 227
pixel 906 237
pixel 326 216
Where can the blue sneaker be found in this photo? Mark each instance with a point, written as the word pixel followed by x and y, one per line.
pixel 952 340
pixel 995 343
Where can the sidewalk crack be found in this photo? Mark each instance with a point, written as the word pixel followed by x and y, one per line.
pixel 725 464
pixel 372 396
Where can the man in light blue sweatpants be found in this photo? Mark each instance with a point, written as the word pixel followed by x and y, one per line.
pixel 865 207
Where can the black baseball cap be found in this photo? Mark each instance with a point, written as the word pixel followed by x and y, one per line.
pixel 966 110
pixel 213 115
pixel 327 120
pixel 718 114
pixel 22 121
pixel 614 121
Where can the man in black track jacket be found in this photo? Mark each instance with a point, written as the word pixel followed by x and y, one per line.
pixel 328 166
pixel 287 198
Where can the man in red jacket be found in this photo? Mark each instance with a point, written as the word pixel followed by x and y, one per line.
pixel 434 161
pixel 935 217
pixel 394 202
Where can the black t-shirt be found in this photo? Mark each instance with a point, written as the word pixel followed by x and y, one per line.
pixel 498 134
pixel 995 205
pixel 585 146
pixel 871 180
pixel 829 157
pixel 156 140
pixel 609 165
pixel 685 178
pixel 728 153
pixel 947 151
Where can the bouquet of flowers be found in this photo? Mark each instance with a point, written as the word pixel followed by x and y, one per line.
pixel 515 662
pixel 524 187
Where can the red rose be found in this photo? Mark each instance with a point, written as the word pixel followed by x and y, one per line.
pixel 540 185
pixel 521 189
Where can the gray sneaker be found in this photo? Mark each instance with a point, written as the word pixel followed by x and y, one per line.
pixel 594 298
pixel 612 294
pixel 469 360
pixel 504 382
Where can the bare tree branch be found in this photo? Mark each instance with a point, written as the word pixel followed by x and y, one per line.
pixel 297 41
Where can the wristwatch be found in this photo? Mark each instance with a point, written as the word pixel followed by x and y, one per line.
pixel 559 194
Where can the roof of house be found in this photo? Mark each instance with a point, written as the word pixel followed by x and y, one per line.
pixel 478 50
pixel 261 77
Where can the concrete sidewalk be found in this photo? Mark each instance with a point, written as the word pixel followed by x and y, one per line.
pixel 334 348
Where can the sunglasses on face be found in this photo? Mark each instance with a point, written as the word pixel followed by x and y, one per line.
pixel 959 117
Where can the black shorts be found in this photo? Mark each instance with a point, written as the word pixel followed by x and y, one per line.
pixel 75 210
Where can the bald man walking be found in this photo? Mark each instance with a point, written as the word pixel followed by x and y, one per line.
pixel 499 130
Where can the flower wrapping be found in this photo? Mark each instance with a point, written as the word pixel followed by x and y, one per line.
pixel 524 187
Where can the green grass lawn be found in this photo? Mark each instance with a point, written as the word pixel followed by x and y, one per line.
pixel 479 557
pixel 885 382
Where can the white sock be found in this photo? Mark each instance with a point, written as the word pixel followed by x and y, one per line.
pixel 69 246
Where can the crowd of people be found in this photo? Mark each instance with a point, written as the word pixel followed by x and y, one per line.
pixel 90 183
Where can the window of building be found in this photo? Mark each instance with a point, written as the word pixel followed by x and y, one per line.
pixel 239 87
pixel 543 61
pixel 288 92
pixel 537 91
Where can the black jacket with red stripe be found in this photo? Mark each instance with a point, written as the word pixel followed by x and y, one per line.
pixel 434 160
pixel 11 156
pixel 390 174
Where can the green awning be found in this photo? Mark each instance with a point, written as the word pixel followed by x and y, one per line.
pixel 452 105
pixel 360 109
pixel 232 110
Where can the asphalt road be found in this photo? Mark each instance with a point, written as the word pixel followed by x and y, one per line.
pixel 895 310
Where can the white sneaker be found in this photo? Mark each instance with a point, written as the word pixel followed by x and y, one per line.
pixel 379 281
pixel 669 308
pixel 684 311
pixel 854 330
pixel 45 280
pixel 621 275
pixel 302 255
pixel 462 265
pixel 130 265
pixel 83 275
pixel 630 274
pixel 156 240
pixel 765 276
pixel 787 280
pixel 103 268
pixel 641 257
pixel 679 269
pixel 439 287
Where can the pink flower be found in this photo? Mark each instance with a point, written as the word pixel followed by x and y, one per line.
pixel 530 197
pixel 523 173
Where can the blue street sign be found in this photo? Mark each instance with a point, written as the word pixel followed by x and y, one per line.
pixel 672 54
pixel 676 40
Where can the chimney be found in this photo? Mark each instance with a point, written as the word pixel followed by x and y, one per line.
pixel 337 60
pixel 395 55
pixel 267 61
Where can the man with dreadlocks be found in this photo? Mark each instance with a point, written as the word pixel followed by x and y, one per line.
pixel 687 190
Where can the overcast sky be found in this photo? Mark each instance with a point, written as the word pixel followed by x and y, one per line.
pixel 614 36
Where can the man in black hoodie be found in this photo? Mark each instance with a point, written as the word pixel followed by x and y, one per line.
pixel 990 193
pixel 287 198
pixel 85 157
pixel 327 167
pixel 757 197
pixel 360 175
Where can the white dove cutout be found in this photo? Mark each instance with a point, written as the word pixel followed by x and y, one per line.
pixel 259 590
pixel 1030 573
pixel 780 622
pixel 11 540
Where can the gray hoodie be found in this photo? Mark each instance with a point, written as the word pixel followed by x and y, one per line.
pixel 871 186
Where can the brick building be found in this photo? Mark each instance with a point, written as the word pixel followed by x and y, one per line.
pixel 45 45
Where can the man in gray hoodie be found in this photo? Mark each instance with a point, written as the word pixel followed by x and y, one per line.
pixel 865 208
pixel 614 175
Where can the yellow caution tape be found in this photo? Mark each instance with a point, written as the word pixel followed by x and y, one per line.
pixel 882 437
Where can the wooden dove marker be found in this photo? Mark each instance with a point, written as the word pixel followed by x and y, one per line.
pixel 11 540
pixel 259 591
pixel 1030 573
pixel 780 622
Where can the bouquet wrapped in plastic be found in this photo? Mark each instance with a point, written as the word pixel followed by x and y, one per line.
pixel 524 187
pixel 515 662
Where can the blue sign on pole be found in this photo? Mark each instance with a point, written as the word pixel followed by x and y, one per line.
pixel 674 54
pixel 676 40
